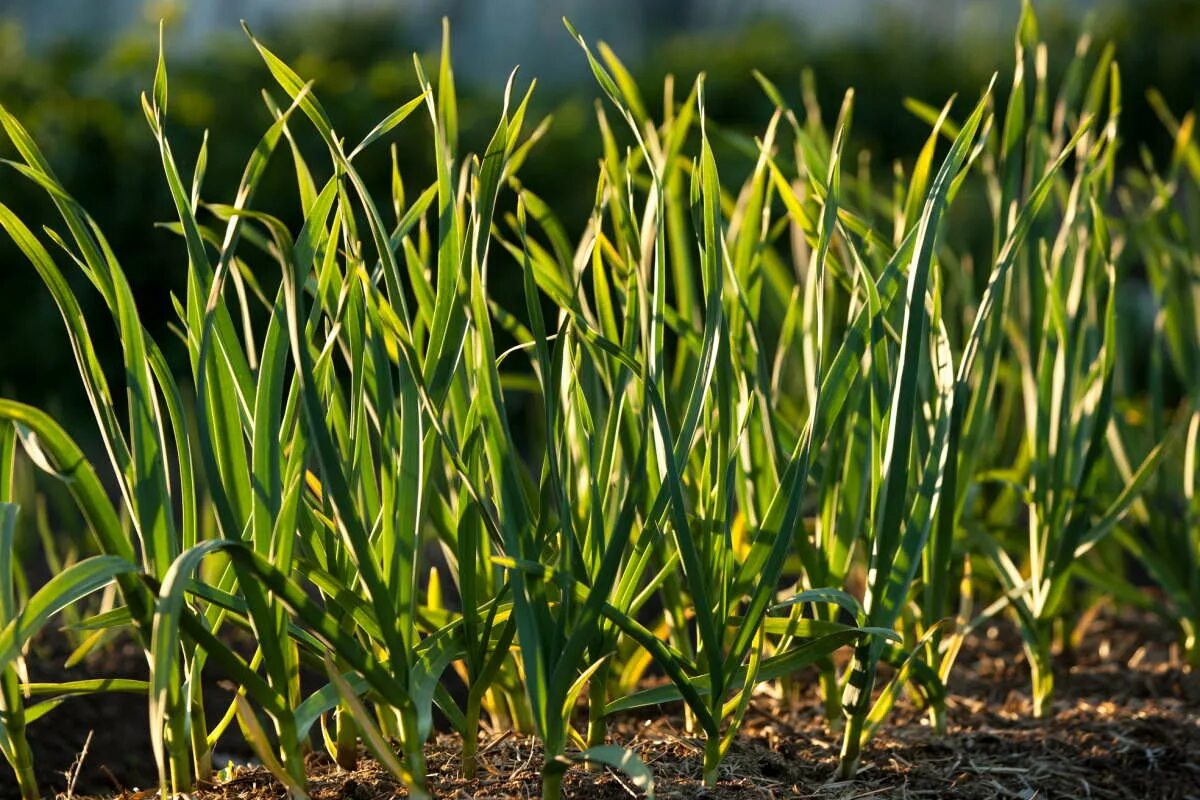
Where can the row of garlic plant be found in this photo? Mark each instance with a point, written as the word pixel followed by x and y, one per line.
pixel 718 369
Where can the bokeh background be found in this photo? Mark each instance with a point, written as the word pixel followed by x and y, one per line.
pixel 73 70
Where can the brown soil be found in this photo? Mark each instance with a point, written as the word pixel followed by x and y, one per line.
pixel 119 744
pixel 114 727
pixel 1126 725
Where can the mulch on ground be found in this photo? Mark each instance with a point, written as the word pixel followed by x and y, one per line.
pixel 1126 726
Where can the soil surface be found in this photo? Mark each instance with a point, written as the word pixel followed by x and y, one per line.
pixel 1126 725
pixel 100 743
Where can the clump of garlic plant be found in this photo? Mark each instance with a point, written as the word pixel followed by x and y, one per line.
pixel 749 399
pixel 1160 217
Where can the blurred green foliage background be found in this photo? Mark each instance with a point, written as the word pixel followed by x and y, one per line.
pixel 77 87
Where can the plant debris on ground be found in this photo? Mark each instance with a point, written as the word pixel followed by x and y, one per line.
pixel 1126 727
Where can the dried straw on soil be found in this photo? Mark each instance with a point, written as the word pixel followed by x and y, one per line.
pixel 1126 727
